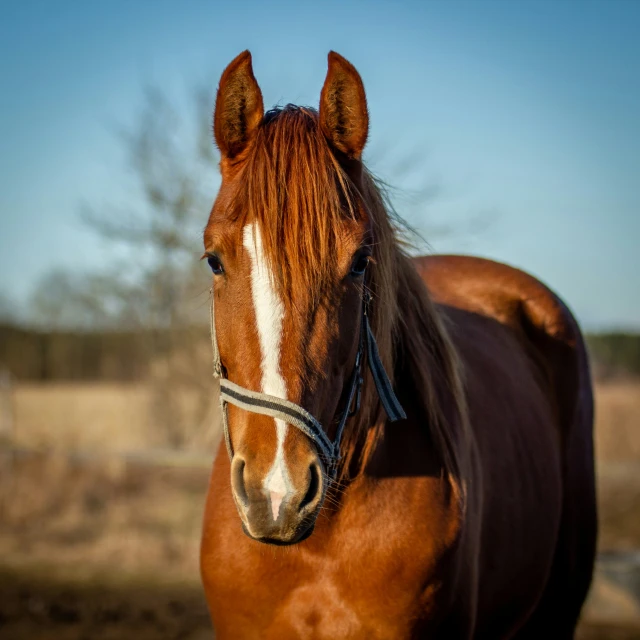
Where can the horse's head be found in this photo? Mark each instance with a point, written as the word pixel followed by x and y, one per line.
pixel 289 240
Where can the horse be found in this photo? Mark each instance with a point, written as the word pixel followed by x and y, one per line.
pixel 409 446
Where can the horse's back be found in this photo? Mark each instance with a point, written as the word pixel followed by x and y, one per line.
pixel 536 316
pixel 518 340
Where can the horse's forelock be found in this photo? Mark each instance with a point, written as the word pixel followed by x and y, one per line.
pixel 298 194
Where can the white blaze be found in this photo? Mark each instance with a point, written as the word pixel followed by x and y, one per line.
pixel 269 314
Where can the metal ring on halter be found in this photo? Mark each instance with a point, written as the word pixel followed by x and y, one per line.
pixel 297 416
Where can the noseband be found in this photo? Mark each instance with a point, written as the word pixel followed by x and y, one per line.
pixel 262 403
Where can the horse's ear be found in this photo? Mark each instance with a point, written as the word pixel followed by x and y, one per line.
pixel 343 107
pixel 239 109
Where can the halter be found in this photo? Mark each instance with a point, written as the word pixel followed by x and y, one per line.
pixel 293 414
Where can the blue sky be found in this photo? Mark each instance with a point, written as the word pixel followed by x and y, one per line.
pixel 524 113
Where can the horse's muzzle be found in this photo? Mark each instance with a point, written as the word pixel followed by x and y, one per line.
pixel 273 517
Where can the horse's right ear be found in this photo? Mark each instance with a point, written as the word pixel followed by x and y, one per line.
pixel 239 108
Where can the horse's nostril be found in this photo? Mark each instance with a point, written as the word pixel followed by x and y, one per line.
pixel 315 487
pixel 237 480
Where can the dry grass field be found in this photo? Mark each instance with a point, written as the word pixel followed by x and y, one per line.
pixel 618 422
pixel 98 417
pixel 97 545
pixel 98 550
pixel 109 418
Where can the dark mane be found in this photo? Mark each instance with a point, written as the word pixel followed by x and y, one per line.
pixel 299 194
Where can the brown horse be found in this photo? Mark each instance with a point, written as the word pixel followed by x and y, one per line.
pixel 471 516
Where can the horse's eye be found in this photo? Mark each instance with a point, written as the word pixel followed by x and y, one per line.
pixel 360 264
pixel 215 264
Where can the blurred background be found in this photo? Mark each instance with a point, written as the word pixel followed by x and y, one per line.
pixel 508 130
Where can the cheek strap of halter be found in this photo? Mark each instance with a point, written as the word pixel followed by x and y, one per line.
pixel 291 413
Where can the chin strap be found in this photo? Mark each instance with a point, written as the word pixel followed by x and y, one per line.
pixel 293 414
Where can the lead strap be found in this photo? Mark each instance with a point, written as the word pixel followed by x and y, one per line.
pixel 389 400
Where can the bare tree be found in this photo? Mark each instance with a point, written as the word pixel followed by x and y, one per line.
pixel 174 165
pixel 157 285
pixel 9 313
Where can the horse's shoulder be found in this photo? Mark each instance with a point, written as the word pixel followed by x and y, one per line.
pixel 492 289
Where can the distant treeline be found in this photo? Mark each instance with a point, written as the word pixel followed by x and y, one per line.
pixel 52 356
pixel 614 354
pixel 127 356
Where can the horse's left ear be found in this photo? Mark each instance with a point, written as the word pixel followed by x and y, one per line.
pixel 343 107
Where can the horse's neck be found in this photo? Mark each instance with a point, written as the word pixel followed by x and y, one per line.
pixel 405 469
pixel 427 381
pixel 426 385
pixel 405 447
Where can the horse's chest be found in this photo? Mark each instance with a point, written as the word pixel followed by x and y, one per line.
pixel 358 589
pixel 371 572
pixel 317 607
pixel 324 609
